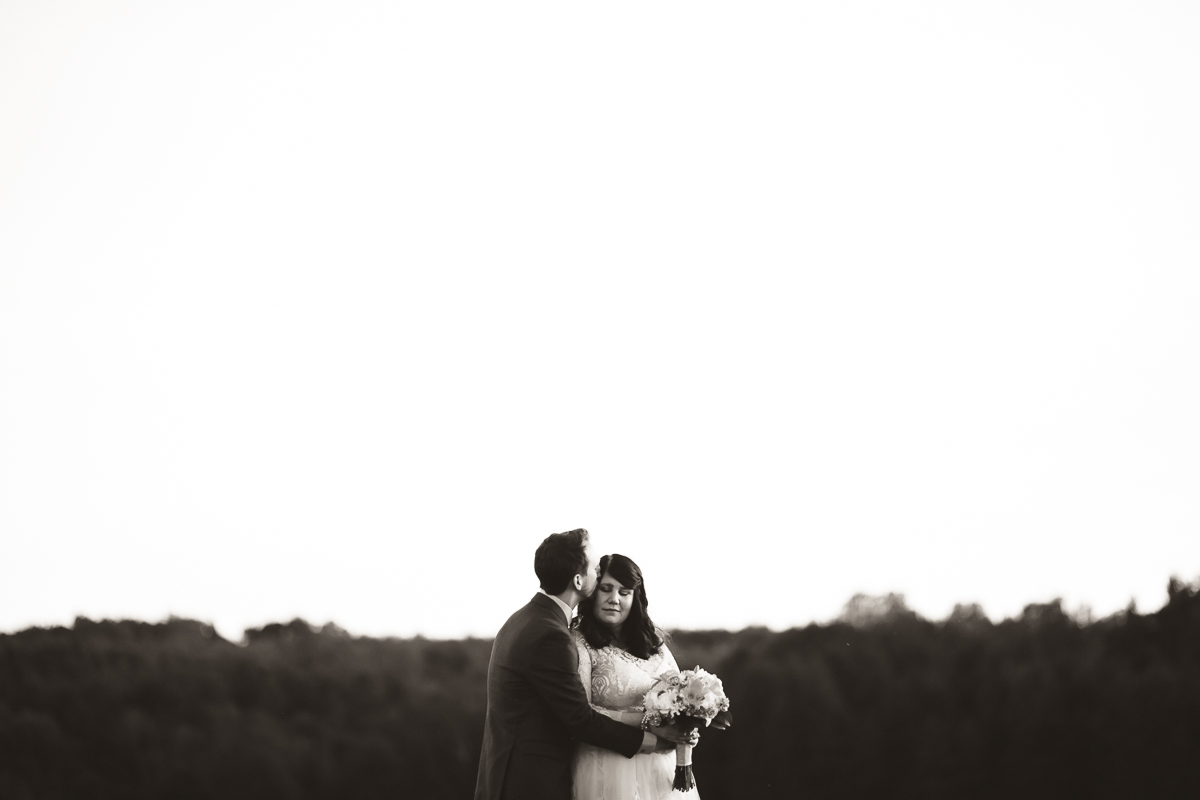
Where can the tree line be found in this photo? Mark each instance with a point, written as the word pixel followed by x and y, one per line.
pixel 878 704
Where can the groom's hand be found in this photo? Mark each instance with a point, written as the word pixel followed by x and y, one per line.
pixel 674 735
pixel 664 746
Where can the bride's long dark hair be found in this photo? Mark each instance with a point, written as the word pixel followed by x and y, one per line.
pixel 642 638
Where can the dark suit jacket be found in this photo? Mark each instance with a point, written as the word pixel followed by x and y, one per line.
pixel 537 708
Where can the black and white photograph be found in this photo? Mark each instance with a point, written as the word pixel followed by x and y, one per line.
pixel 599 400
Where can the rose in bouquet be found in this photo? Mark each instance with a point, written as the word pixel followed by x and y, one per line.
pixel 688 700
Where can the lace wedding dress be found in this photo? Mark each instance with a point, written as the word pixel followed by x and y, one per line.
pixel 616 682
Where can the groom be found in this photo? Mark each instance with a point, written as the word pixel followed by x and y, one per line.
pixel 537 706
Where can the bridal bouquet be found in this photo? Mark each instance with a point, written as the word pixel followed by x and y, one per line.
pixel 688 699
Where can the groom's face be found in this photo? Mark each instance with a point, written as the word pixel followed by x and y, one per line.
pixel 590 576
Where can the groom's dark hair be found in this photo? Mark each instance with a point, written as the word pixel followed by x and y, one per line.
pixel 559 558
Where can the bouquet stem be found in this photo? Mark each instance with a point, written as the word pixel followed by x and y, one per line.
pixel 685 781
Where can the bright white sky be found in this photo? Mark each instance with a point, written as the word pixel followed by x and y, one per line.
pixel 335 310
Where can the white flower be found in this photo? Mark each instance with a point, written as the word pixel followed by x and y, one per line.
pixel 693 693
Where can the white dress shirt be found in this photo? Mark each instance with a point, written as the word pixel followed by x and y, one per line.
pixel 568 612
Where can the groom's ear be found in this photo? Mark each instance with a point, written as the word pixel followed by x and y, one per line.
pixel 578 582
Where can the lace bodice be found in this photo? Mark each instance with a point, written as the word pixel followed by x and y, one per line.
pixel 616 680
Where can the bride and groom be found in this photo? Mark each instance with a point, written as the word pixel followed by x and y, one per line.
pixel 562 714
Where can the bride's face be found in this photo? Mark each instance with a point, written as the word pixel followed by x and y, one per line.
pixel 613 601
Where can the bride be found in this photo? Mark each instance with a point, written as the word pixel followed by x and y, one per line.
pixel 621 655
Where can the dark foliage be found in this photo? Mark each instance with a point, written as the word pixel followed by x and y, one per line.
pixel 882 704
pixel 129 709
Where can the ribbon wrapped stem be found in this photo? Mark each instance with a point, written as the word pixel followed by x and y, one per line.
pixel 685 780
